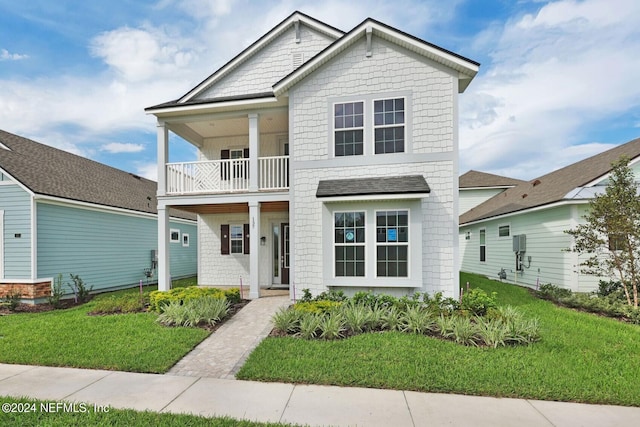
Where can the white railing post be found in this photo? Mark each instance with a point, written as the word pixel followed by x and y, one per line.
pixel 227 175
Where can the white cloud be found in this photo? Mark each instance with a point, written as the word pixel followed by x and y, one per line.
pixel 121 147
pixel 5 55
pixel 147 170
pixel 139 54
pixel 554 76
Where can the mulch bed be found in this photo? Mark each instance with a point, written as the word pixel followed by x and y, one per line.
pixel 37 308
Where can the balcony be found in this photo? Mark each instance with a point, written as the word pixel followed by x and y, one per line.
pixel 227 176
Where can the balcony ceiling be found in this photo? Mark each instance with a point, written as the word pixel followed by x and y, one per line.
pixel 270 122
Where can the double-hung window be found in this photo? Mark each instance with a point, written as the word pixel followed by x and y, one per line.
pixel 392 241
pixel 388 125
pixel 349 128
pixel 349 243
pixel 236 239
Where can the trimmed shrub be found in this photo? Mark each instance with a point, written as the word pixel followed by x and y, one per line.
pixel 158 299
pixel 317 307
pixel 552 292
pixel 203 311
pixel 476 301
pixel 127 303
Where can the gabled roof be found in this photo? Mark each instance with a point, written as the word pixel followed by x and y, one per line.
pixel 466 67
pixel 47 171
pixel 257 46
pixel 476 179
pixel 552 187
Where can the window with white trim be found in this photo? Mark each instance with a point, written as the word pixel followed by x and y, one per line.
pixel 174 234
pixel 236 239
pixel 392 243
pixel 185 240
pixel 504 230
pixel 388 125
pixel 349 244
pixel 348 127
pixel 483 245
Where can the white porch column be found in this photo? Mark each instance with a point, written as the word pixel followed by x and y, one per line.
pixel 254 150
pixel 164 272
pixel 254 250
pixel 163 157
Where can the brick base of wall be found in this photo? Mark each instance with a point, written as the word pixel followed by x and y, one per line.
pixel 31 291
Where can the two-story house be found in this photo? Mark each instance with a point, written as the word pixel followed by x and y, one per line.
pixel 326 160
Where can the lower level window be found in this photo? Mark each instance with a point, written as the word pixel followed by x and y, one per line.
pixel 236 239
pixel 349 229
pixel 392 240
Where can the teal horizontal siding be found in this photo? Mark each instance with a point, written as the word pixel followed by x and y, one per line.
pixel 16 204
pixel 107 249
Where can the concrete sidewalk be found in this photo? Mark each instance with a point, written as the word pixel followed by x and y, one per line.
pixel 300 404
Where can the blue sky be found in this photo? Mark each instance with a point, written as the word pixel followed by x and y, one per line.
pixel 557 82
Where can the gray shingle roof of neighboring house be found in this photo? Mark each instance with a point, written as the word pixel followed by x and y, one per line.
pixel 409 184
pixel 552 187
pixel 476 179
pixel 47 171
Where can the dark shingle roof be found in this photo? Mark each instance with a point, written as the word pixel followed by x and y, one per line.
pixel 51 172
pixel 551 187
pixel 476 179
pixel 410 184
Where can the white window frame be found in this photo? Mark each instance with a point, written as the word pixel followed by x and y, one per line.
pixel 355 244
pixel 173 231
pixel 385 126
pixel 502 226
pixel 185 240
pixel 387 243
pixel 335 129
pixel 232 239
pixel 235 151
pixel 482 233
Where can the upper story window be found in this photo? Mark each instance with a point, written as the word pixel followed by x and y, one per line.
pixel 349 128
pixel 388 123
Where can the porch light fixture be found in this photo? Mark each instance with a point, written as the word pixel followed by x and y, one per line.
pixel 263 241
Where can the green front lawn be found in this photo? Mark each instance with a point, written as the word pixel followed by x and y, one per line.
pixel 123 342
pixel 582 358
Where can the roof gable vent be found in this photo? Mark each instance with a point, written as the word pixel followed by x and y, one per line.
pixel 536 182
pixel 297 59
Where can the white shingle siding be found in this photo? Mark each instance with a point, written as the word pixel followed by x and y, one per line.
pixel 269 145
pixel 430 89
pixel 390 69
pixel 226 270
pixel 260 72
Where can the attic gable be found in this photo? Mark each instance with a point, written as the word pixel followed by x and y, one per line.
pixel 276 54
pixel 466 68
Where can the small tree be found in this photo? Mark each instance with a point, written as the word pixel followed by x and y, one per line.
pixel 611 232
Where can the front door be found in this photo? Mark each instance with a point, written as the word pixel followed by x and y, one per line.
pixel 280 260
pixel 284 254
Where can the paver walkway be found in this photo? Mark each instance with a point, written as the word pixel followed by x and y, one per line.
pixel 222 354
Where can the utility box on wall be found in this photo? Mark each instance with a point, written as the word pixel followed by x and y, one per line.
pixel 520 243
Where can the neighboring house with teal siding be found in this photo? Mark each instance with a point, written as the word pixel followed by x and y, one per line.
pixel 519 234
pixel 65 214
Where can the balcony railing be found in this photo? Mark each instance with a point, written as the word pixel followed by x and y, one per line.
pixel 221 176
